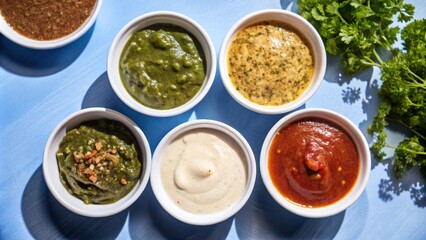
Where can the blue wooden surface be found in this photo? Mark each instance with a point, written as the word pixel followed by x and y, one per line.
pixel 40 88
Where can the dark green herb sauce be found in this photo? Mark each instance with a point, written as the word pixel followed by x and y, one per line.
pixel 99 161
pixel 162 66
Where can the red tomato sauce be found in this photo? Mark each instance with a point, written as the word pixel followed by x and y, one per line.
pixel 313 163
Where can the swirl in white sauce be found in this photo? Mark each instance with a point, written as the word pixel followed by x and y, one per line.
pixel 203 171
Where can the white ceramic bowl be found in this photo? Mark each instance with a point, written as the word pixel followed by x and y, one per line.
pixel 160 17
pixel 51 172
pixel 363 151
pixel 163 197
pixel 294 21
pixel 12 35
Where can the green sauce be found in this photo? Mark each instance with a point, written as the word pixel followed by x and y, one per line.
pixel 99 161
pixel 162 66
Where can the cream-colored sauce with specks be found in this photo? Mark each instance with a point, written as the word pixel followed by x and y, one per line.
pixel 203 171
pixel 270 64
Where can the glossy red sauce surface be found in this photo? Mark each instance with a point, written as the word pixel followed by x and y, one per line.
pixel 313 163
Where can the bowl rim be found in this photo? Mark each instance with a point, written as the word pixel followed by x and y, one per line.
pixel 146 20
pixel 316 45
pixel 49 164
pixel 364 157
pixel 24 41
pixel 210 218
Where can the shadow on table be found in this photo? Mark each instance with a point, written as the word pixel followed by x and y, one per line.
pixel 46 218
pixel 148 220
pixel 263 218
pixel 36 63
pixel 289 5
pixel 412 182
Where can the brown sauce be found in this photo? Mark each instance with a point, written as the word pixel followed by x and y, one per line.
pixel 46 19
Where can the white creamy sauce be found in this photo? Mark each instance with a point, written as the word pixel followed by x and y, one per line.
pixel 203 171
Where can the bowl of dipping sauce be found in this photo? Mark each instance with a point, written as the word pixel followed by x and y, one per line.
pixel 161 63
pixel 47 24
pixel 315 162
pixel 96 162
pixel 272 61
pixel 203 172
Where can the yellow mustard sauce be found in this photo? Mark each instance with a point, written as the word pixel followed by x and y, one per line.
pixel 270 64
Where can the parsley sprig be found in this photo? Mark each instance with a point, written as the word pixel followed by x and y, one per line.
pixel 403 94
pixel 356 29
